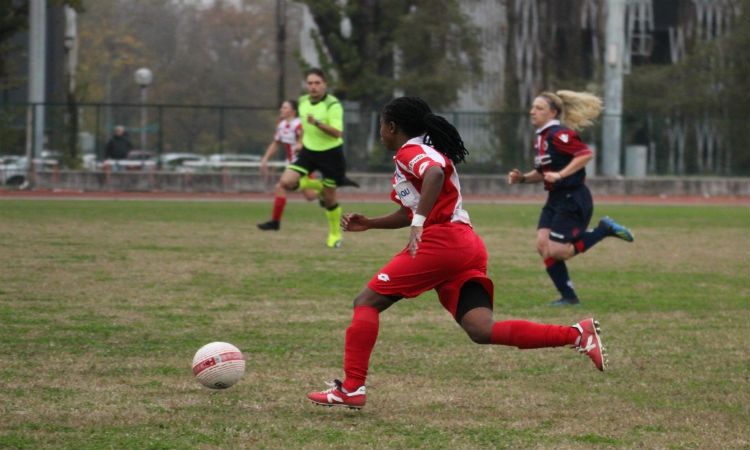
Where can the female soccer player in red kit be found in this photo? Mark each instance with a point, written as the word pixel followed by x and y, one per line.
pixel 444 253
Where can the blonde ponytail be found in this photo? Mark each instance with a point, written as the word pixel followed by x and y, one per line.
pixel 579 109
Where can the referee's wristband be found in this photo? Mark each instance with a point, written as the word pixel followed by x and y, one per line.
pixel 417 220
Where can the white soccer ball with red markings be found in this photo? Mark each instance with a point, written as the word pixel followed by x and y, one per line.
pixel 218 365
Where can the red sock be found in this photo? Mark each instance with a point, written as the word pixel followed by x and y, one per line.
pixel 523 334
pixel 360 340
pixel 278 208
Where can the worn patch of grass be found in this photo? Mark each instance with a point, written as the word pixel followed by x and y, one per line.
pixel 103 304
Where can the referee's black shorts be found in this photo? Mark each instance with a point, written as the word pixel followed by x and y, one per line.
pixel 331 163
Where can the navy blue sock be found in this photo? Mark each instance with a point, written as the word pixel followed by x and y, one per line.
pixel 590 238
pixel 558 272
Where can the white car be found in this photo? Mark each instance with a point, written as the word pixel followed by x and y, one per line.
pixel 182 162
pixel 233 161
pixel 135 160
pixel 13 170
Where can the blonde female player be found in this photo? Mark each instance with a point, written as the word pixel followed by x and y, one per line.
pixel 560 163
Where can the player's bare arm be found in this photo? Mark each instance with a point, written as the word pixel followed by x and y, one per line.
pixel 576 164
pixel 432 185
pixel 515 176
pixel 270 151
pixel 358 222
pixel 325 128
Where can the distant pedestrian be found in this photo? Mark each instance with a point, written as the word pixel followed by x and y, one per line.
pixel 118 146
pixel 560 159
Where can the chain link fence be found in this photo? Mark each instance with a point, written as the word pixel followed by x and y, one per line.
pixel 498 141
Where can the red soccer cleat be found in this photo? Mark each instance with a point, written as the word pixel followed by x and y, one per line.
pixel 590 343
pixel 335 396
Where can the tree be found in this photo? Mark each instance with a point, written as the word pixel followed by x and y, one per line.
pixel 417 47
pixel 14 18
pixel 218 55
pixel 707 89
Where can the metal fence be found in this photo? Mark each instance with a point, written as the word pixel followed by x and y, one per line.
pixel 497 141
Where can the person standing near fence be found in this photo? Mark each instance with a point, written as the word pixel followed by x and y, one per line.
pixel 289 135
pixel 443 253
pixel 560 159
pixel 322 118
pixel 118 146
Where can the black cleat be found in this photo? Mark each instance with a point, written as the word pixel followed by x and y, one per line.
pixel 270 225
pixel 349 182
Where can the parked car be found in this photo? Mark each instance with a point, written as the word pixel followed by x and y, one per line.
pixel 89 161
pixel 48 160
pixel 182 162
pixel 12 170
pixel 135 160
pixel 233 161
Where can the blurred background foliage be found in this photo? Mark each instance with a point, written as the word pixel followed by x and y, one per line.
pixel 216 76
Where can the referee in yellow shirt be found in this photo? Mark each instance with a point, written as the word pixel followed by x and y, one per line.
pixel 322 149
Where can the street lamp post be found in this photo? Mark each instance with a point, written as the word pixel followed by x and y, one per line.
pixel 143 77
pixel 281 49
pixel 613 86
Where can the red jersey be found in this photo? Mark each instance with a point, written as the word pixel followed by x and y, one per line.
pixel 450 252
pixel 412 161
pixel 289 133
pixel 554 147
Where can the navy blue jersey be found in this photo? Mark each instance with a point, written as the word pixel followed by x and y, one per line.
pixel 554 147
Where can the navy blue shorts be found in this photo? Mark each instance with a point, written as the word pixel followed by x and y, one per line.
pixel 567 213
pixel 331 163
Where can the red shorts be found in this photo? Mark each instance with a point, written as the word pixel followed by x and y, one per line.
pixel 449 255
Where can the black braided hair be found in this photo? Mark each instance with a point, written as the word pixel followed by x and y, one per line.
pixel 415 118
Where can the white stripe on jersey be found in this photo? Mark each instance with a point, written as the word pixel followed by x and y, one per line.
pixel 287 133
pixel 407 173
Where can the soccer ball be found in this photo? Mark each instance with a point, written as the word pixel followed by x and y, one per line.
pixel 218 365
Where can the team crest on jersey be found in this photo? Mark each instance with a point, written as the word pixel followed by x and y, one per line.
pixel 565 137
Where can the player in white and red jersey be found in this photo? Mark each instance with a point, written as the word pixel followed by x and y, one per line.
pixel 289 135
pixel 443 253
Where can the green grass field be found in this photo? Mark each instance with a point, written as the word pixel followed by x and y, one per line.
pixel 104 303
